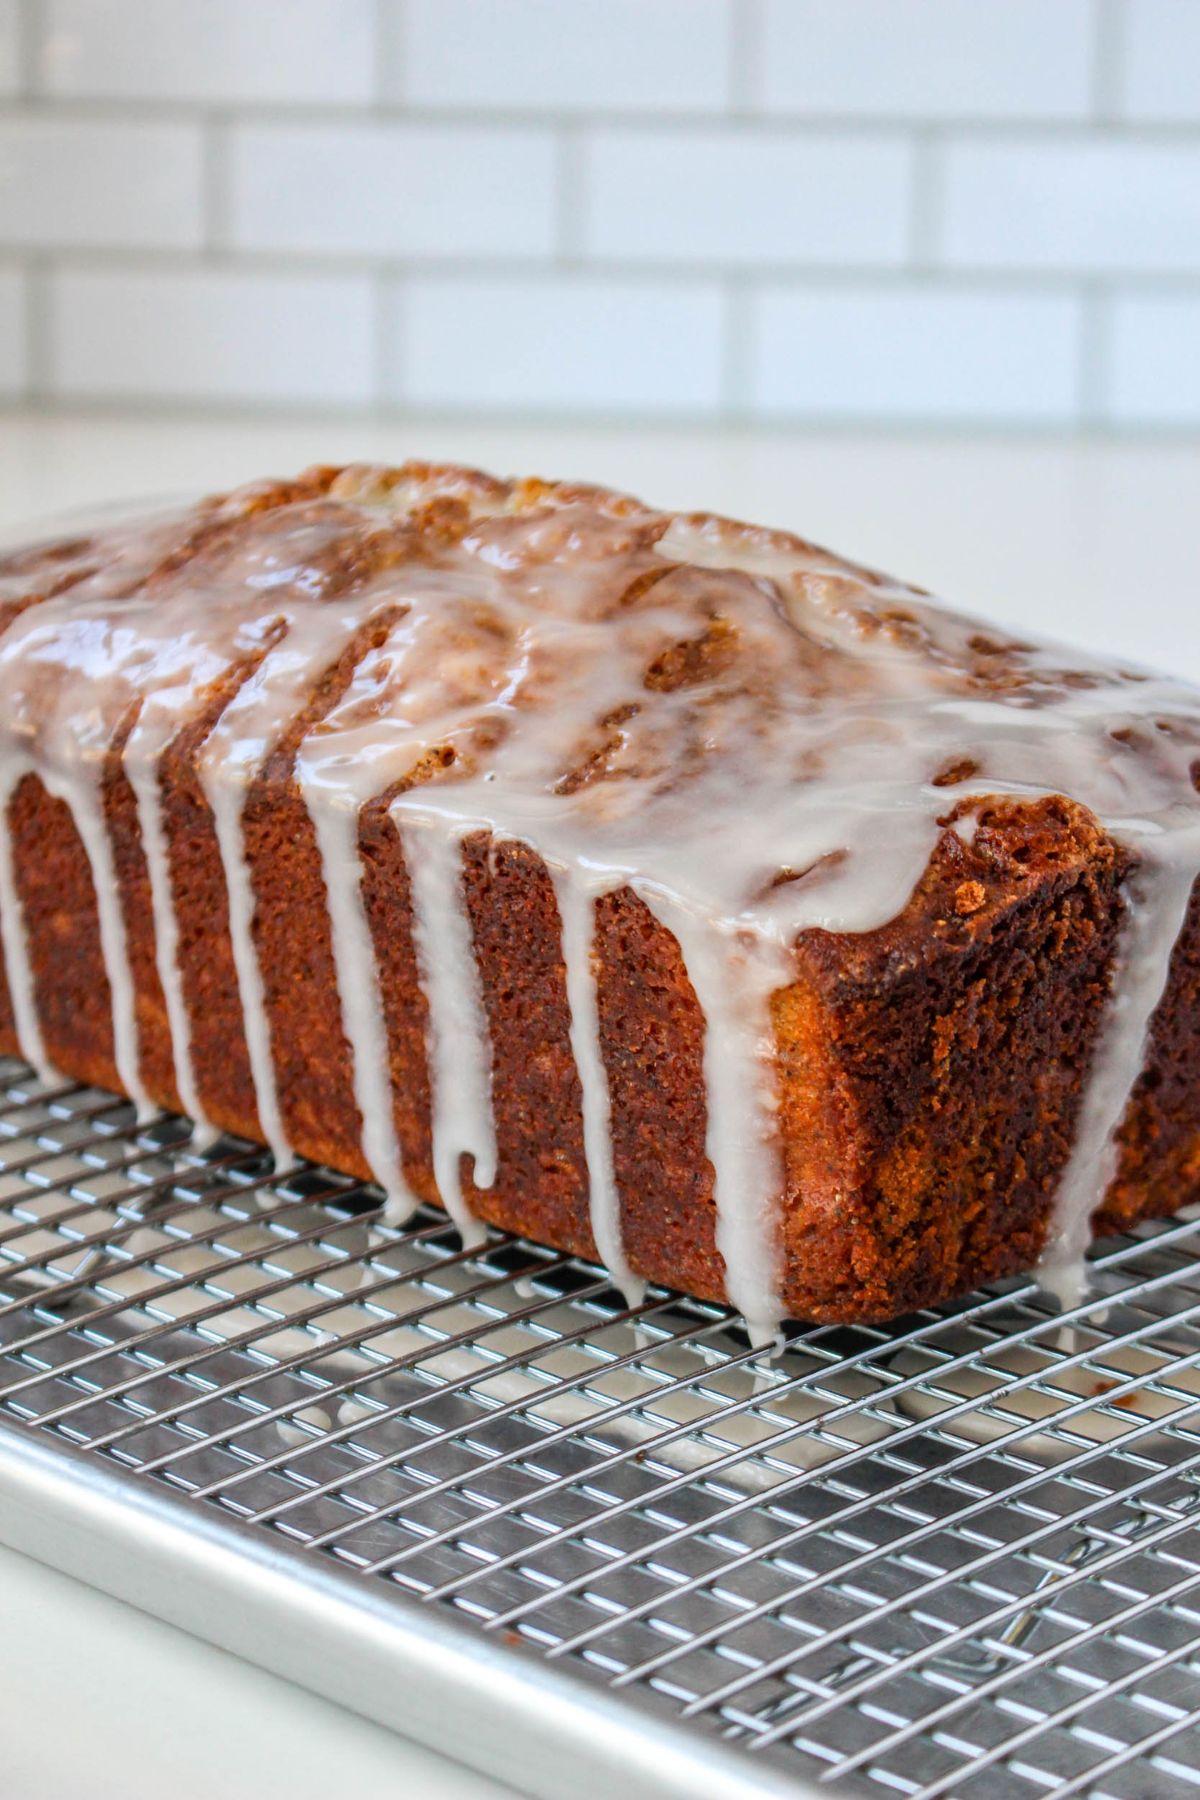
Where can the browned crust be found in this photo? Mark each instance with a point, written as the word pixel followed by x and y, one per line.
pixel 1159 1169
pixel 929 1072
pixel 955 1049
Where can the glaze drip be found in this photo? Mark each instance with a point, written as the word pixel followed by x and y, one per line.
pixel 226 804
pixel 141 760
pixel 577 913
pixel 753 736
pixel 459 1046
pixel 85 800
pixel 358 990
pixel 1157 903
pixel 733 986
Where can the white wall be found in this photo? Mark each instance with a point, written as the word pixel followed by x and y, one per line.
pixel 932 211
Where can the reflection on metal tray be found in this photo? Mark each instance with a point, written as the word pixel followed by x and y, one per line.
pixel 477 1496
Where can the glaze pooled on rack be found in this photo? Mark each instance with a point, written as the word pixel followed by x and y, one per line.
pixel 755 737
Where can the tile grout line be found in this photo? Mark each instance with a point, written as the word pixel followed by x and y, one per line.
pixel 926 202
pixel 731 121
pixel 39 359
pixel 28 51
pixel 737 350
pixel 570 197
pixel 387 56
pixel 1095 353
pixel 1107 24
pixel 390 322
pixel 744 60
pixel 885 277
pixel 216 192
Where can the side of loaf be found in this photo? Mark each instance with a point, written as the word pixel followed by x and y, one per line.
pixel 929 1071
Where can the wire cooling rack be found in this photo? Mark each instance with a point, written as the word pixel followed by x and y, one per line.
pixel 477 1496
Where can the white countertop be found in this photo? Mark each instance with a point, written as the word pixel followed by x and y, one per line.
pixel 99 1699
pixel 1089 541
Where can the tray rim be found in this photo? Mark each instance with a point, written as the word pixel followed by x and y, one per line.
pixel 383 1655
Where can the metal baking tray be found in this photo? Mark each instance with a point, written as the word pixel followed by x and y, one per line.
pixel 595 1549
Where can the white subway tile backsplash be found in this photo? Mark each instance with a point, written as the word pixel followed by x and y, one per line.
pixel 1160 65
pixel 317 51
pixel 920 352
pixel 208 336
pixel 741 197
pixel 1094 205
pixel 77 182
pixel 393 190
pixel 559 344
pixel 13 347
pixel 9 49
pixel 871 209
pixel 1154 376
pixel 987 59
pixel 666 55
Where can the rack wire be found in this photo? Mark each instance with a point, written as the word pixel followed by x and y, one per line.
pixel 959 1556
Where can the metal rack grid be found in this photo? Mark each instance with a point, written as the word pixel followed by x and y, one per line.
pixel 958 1556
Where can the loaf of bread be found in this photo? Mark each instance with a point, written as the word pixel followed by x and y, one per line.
pixel 669 891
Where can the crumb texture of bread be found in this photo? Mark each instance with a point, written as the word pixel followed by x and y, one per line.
pixel 867 1098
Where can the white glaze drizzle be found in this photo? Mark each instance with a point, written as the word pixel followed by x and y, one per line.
pixel 459 1044
pixel 141 763
pixel 248 729
pixel 733 982
pixel 226 804
pixel 336 829
pixel 797 793
pixel 577 913
pixel 1157 898
pixel 83 797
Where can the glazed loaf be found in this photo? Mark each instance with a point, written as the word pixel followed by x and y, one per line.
pixel 660 888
